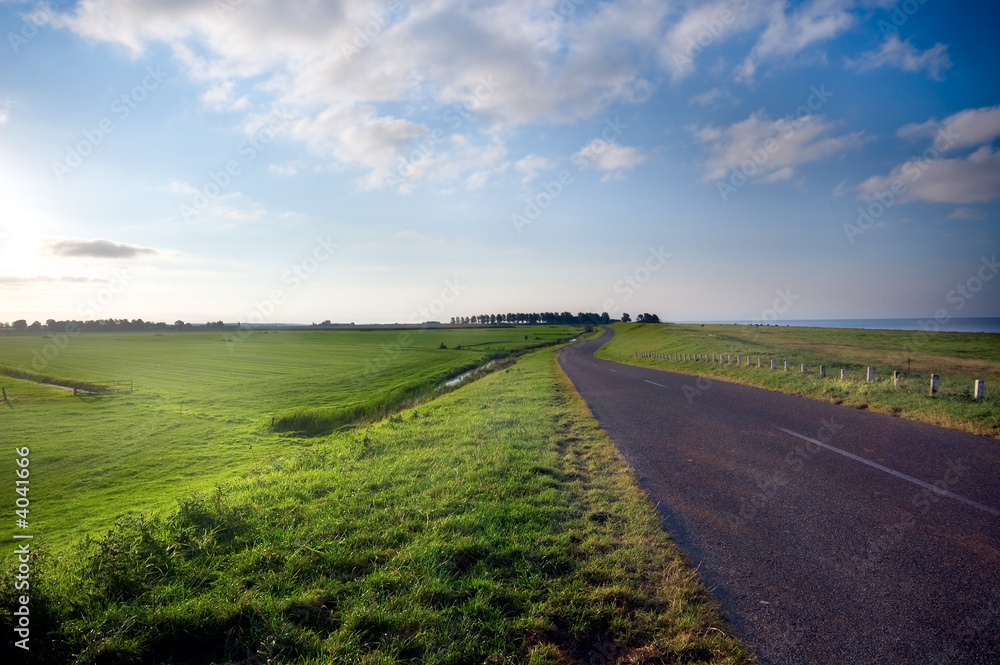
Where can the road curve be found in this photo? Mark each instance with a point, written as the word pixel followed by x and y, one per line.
pixel 827 534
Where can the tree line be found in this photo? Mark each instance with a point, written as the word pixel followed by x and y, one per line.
pixel 106 325
pixel 588 318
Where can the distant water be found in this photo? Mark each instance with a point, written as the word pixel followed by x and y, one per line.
pixel 976 325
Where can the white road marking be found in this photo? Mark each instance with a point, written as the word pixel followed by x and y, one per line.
pixel 654 383
pixel 893 472
pixel 613 370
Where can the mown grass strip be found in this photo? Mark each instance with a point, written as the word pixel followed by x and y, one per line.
pixel 496 524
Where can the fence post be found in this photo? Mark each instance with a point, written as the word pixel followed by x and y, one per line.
pixel 896 377
pixel 871 374
pixel 803 368
pixel 843 375
pixel 980 388
pixel 758 362
pixel 737 360
pixel 934 384
pixel 822 371
pixel 772 363
pixel 786 365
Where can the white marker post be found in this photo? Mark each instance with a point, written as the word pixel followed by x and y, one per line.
pixel 803 368
pixel 980 389
pixel 897 376
pixel 843 375
pixel 822 371
pixel 935 380
pixel 871 374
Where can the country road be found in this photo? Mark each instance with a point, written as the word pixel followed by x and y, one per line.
pixel 827 534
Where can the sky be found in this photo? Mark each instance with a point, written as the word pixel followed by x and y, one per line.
pixel 376 162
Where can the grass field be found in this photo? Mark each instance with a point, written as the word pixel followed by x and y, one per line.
pixel 495 524
pixel 203 403
pixel 958 358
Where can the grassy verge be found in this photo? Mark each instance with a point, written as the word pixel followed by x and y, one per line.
pixel 958 358
pixel 496 524
pixel 203 405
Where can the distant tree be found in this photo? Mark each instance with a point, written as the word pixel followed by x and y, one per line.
pixel 179 323
pixel 625 317
pixel 605 318
pixel 20 325
pixel 493 318
pixel 35 327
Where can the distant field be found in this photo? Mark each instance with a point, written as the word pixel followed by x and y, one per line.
pixel 958 358
pixel 203 405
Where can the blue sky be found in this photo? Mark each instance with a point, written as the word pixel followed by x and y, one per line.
pixel 394 161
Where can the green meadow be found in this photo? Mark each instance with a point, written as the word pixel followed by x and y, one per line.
pixel 203 402
pixel 495 523
pixel 957 358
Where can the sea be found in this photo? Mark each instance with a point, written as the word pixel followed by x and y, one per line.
pixel 989 324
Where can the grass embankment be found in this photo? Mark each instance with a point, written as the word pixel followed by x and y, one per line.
pixel 958 358
pixel 203 403
pixel 496 524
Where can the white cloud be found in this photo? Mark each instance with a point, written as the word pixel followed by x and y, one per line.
pixel 710 97
pixel 506 62
pixel 287 169
pixel 772 149
pixel 611 157
pixel 966 213
pixel 230 207
pixel 503 65
pixel 220 98
pixel 902 54
pixel 972 127
pixel 531 166
pixel 787 34
pixel 4 116
pixel 973 179
pixel 703 26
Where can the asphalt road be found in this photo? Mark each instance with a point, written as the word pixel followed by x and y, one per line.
pixel 827 534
